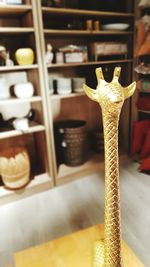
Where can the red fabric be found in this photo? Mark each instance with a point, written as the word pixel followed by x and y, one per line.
pixel 144 102
pixel 140 129
pixel 145 151
pixel 145 165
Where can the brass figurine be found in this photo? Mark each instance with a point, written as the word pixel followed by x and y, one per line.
pixel 110 97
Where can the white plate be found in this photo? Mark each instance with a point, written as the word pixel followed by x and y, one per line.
pixel 116 26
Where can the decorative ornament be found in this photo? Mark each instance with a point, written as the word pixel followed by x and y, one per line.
pixel 24 56
pixel 15 167
pixel 49 54
pixel 110 97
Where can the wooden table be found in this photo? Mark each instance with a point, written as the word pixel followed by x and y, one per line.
pixel 73 250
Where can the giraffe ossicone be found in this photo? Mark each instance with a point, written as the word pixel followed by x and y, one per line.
pixel 95 94
pixel 110 97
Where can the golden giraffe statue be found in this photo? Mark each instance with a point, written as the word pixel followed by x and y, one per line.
pixel 110 97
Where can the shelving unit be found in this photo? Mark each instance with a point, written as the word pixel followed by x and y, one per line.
pixel 20 100
pixel 140 113
pixel 90 63
pixel 85 32
pixel 14 10
pixel 79 12
pixel 18 67
pixel 78 106
pixel 22 22
pixel 31 23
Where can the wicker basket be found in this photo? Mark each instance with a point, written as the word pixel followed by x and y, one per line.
pixel 15 167
pixel 71 140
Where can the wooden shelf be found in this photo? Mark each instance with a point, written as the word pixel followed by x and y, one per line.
pixel 14 9
pixel 84 32
pixel 67 174
pixel 40 183
pixel 143 92
pixel 80 12
pixel 67 96
pixel 13 133
pixel 94 164
pixel 16 30
pixel 18 67
pixel 144 111
pixel 20 100
pixel 89 63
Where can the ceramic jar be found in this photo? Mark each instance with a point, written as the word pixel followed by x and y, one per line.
pixel 24 90
pixel 4 88
pixel 64 86
pixel 24 56
pixel 77 83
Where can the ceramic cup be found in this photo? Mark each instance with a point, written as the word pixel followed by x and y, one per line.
pixel 64 86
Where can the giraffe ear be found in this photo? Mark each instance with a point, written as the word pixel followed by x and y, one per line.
pixel 129 90
pixel 91 93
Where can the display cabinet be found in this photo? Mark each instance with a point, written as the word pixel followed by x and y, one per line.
pixel 19 29
pixel 63 28
pixel 67 42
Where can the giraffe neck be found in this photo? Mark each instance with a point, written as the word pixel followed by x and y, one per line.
pixel 112 194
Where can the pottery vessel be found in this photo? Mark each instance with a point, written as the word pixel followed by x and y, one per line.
pixel 24 56
pixel 24 90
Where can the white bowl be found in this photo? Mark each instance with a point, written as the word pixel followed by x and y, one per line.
pixel 21 124
pixel 23 90
pixel 116 26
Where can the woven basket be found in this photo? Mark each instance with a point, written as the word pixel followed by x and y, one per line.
pixel 98 141
pixel 71 139
pixel 15 167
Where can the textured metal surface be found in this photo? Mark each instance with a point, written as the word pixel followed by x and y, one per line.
pixel 110 97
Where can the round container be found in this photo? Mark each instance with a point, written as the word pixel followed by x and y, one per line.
pixel 15 167
pixel 24 90
pixel 24 56
pixel 64 86
pixel 71 139
pixel 77 84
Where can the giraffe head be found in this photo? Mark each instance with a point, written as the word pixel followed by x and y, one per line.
pixel 111 95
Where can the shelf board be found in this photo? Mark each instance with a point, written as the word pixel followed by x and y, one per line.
pixel 66 96
pixel 67 173
pixel 84 32
pixel 144 111
pixel 144 92
pixel 20 100
pixel 40 183
pixel 94 164
pixel 80 12
pixel 14 9
pixel 18 67
pixel 16 30
pixel 13 133
pixel 89 63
